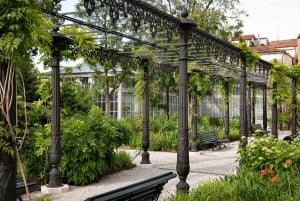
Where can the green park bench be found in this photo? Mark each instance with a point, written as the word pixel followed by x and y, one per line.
pixel 257 129
pixel 146 190
pixel 210 139
pixel 20 188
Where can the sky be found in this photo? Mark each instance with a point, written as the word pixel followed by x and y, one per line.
pixel 274 19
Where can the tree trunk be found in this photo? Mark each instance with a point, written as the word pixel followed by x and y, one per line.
pixel 7 162
pixel 107 103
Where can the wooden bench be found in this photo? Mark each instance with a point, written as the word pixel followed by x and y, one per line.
pixel 146 190
pixel 20 188
pixel 210 139
pixel 257 129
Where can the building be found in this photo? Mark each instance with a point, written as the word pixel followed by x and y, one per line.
pixel 284 51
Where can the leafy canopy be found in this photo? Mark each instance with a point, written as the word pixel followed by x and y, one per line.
pixel 23 27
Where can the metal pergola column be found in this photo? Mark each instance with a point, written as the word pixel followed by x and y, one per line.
pixel 60 42
pixel 274 113
pixel 226 116
pixel 294 107
pixel 253 103
pixel 250 112
pixel 55 150
pixel 265 114
pixel 145 134
pixel 183 163
pixel 243 107
pixel 194 147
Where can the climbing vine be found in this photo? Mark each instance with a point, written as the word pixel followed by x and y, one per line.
pixel 229 83
pixel 249 56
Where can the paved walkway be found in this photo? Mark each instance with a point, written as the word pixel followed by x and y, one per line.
pixel 204 166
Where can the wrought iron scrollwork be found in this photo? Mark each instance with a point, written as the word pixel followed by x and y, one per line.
pixel 139 13
pixel 113 55
pixel 56 1
pixel 219 50
pixel 89 6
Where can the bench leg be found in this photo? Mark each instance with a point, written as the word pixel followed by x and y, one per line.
pixel 19 198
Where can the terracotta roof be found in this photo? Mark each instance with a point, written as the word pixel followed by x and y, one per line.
pixel 244 37
pixel 265 49
pixel 283 43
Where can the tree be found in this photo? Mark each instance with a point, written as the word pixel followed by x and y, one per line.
pixel 23 27
pixel 109 73
pixel 221 18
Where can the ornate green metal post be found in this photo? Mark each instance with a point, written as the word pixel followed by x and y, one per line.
pixel 55 151
pixel 274 113
pixel 226 117
pixel 253 101
pixel 249 105
pixel 194 147
pixel 145 136
pixel 294 106
pixel 265 113
pixel 243 107
pixel 183 164
pixel 59 42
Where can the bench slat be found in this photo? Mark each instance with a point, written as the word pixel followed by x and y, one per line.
pixel 20 188
pixel 144 190
pixel 210 138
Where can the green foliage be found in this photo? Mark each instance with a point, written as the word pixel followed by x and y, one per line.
pixel 234 134
pixel 155 89
pixel 248 185
pixel 75 98
pixel 35 153
pixel 82 44
pixel 234 123
pixel 269 152
pixel 45 197
pixel 31 78
pixel 162 133
pixel 163 141
pixel 23 26
pixel 83 161
pixel 88 144
pixel 224 190
pixel 226 83
pixel 199 84
pixel 5 136
pixel 221 18
pixel 249 56
pixel 268 184
pixel 120 160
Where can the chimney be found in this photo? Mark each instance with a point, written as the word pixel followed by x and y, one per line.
pixel 298 50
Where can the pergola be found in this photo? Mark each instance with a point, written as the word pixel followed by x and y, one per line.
pixel 173 43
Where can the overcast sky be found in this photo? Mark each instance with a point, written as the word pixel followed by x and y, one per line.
pixel 274 19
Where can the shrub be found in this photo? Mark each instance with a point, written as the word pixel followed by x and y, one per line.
pixel 248 185
pixel 234 134
pixel 162 133
pixel 269 152
pixel 121 160
pixel 163 141
pixel 88 145
pixel 269 171
pixel 83 159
